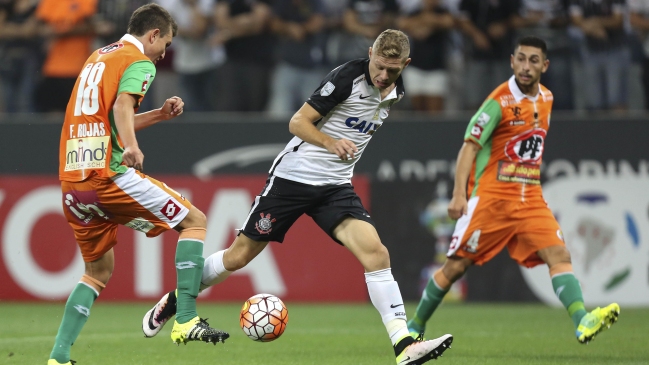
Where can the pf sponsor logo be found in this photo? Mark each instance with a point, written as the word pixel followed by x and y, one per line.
pixel 170 210
pixel 265 224
pixel 526 147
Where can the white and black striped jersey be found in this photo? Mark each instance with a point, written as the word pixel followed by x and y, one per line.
pixel 352 108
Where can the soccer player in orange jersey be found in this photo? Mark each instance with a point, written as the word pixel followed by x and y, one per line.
pixel 102 181
pixel 497 197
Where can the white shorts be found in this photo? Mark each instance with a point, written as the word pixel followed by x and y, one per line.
pixel 428 83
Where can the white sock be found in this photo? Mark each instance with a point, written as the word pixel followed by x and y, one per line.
pixel 214 271
pixel 386 297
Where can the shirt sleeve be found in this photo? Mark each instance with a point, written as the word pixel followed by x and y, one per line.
pixel 484 122
pixel 333 90
pixel 137 79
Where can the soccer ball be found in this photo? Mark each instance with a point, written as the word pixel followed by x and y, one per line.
pixel 263 317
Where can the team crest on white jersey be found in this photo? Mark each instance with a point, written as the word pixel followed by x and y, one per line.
pixel 327 89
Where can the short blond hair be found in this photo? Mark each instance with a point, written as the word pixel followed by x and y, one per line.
pixel 392 43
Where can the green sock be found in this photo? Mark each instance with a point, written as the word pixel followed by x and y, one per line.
pixel 567 288
pixel 189 270
pixel 75 315
pixel 430 299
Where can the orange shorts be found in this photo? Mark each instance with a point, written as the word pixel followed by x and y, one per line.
pixel 491 224
pixel 94 207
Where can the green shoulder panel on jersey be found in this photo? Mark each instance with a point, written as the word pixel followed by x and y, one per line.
pixel 117 150
pixel 484 122
pixel 137 79
pixel 481 160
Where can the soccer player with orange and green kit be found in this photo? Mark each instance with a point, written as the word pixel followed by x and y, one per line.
pixel 498 168
pixel 102 183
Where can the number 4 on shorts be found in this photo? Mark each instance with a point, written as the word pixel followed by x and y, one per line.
pixel 472 243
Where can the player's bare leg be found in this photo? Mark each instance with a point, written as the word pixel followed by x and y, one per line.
pixel 77 308
pixel 437 287
pixel 363 241
pixel 568 290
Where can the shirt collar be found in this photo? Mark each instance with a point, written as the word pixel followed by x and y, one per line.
pixel 129 38
pixel 518 94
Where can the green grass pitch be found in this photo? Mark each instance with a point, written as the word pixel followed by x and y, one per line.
pixel 326 334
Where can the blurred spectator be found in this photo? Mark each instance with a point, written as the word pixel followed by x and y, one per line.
pixel 195 61
pixel 427 24
pixel 243 26
pixel 603 51
pixel 19 54
pixel 548 19
pixel 300 52
pixel 335 35
pixel 639 17
pixel 114 15
pixel 69 32
pixel 363 21
pixel 487 23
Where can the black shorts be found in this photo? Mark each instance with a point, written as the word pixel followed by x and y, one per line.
pixel 282 202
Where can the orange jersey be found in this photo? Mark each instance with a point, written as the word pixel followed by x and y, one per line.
pixel 89 140
pixel 511 128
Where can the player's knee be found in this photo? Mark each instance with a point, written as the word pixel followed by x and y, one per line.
pixel 200 220
pixel 376 258
pixel 195 219
pixel 236 261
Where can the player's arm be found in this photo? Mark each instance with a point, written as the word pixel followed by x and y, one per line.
pixel 302 125
pixel 478 133
pixel 172 108
pixel 458 205
pixel 124 115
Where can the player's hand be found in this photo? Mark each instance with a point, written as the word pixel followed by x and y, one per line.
pixel 343 148
pixel 133 157
pixel 457 207
pixel 172 107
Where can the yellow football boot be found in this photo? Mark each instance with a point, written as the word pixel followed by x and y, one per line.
pixel 197 329
pixel 597 321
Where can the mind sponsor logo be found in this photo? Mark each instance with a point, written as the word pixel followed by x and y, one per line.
pixel 86 153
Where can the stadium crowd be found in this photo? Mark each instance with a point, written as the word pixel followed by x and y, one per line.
pixel 269 55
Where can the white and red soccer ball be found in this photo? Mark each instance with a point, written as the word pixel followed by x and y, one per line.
pixel 263 317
